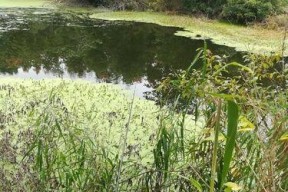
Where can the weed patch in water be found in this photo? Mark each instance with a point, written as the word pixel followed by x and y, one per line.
pixel 58 134
pixel 26 3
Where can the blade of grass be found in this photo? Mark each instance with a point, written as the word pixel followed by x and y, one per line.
pixel 194 61
pixel 215 147
pixel 233 116
pixel 125 143
pixel 204 68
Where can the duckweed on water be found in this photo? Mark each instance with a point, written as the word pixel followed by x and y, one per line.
pixel 94 115
pixel 26 3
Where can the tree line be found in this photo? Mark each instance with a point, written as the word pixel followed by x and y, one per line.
pixel 235 11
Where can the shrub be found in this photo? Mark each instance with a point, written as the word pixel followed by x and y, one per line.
pixel 210 8
pixel 259 160
pixel 236 11
pixel 243 12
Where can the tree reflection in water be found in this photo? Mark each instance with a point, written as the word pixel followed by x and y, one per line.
pixel 70 45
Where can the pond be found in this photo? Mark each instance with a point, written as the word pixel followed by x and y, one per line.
pixel 43 43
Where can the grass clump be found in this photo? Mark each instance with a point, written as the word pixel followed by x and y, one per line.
pixel 245 110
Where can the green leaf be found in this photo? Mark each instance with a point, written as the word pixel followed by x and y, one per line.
pixel 245 124
pixel 235 64
pixel 284 137
pixel 196 184
pixel 224 96
pixel 232 186
pixel 204 67
pixel 194 61
pixel 233 115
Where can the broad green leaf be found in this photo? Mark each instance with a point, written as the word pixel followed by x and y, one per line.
pixel 221 137
pixel 224 96
pixel 233 116
pixel 245 124
pixel 196 184
pixel 284 137
pixel 232 186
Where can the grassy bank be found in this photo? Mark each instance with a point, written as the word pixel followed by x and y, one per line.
pixel 251 39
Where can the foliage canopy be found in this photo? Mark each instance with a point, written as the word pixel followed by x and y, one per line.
pixel 237 11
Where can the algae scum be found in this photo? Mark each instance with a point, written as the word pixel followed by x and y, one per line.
pixel 43 43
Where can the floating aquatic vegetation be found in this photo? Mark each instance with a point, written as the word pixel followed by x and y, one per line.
pixel 49 113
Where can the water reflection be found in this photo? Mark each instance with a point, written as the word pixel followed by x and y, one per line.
pixel 51 44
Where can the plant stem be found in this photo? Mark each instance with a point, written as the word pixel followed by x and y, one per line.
pixel 283 49
pixel 124 144
pixel 215 147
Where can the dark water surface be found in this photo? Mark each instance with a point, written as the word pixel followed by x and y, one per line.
pixel 40 43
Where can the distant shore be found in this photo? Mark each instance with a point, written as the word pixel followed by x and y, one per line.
pixel 243 38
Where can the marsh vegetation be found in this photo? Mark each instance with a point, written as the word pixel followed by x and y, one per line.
pixel 218 119
pixel 65 135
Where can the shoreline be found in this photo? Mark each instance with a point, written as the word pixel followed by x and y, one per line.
pixel 248 39
pixel 243 38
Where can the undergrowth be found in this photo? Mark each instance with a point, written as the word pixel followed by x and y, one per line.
pixel 220 127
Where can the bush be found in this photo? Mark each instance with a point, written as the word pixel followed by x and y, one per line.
pixel 210 8
pixel 236 11
pixel 243 12
pixel 113 4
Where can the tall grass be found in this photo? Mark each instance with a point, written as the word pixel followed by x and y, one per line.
pixel 212 132
pixel 245 154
